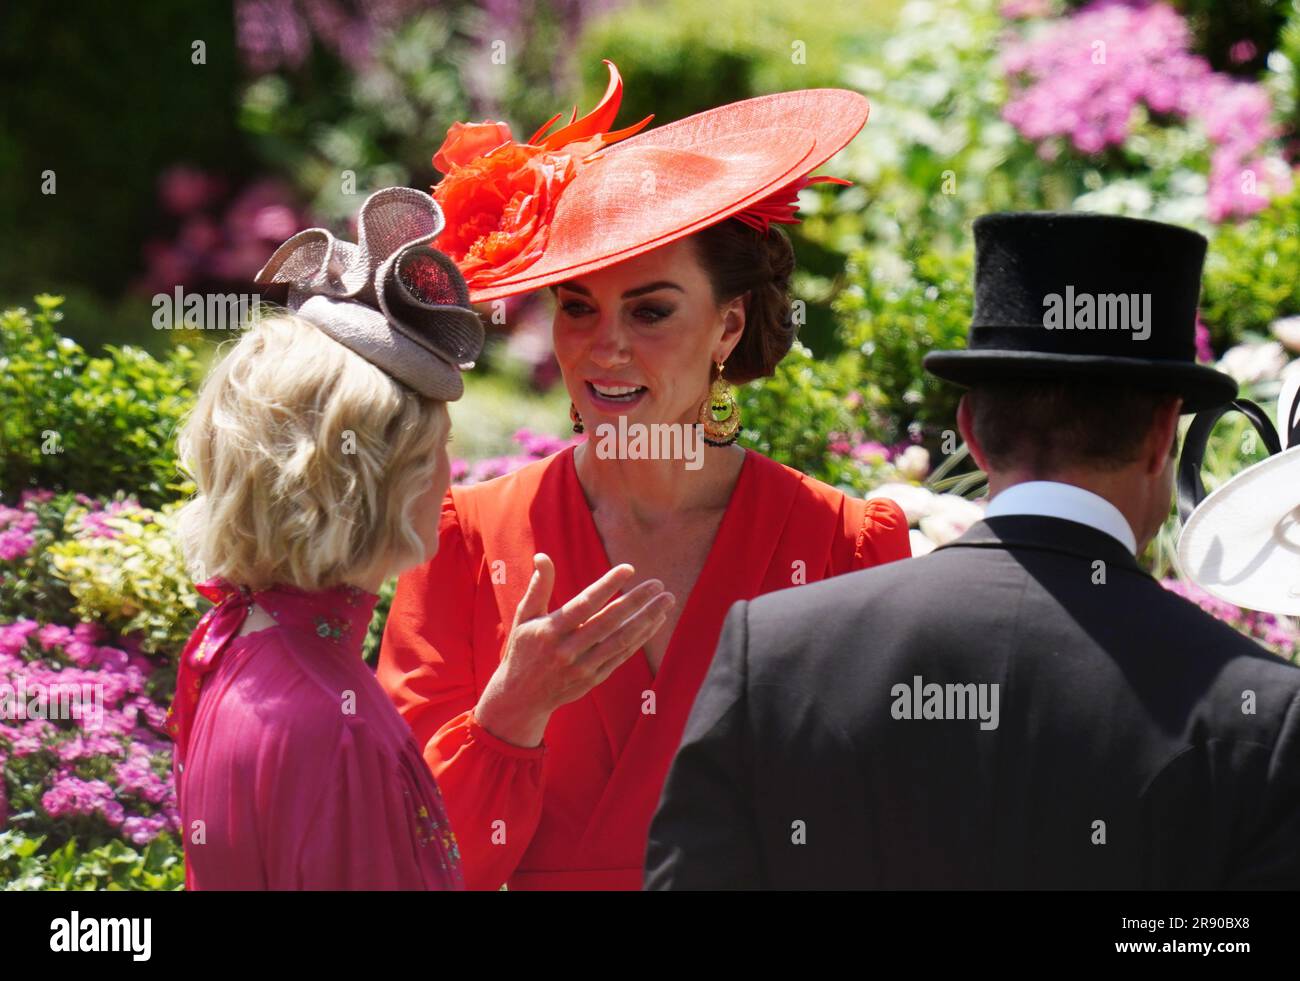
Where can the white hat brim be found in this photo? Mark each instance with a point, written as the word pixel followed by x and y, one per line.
pixel 1242 543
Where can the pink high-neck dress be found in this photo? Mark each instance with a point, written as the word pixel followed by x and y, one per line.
pixel 294 770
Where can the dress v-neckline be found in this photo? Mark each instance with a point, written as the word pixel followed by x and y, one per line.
pixel 711 559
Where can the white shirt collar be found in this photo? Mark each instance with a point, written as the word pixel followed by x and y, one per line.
pixel 1051 499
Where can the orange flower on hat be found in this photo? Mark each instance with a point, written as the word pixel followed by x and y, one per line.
pixel 499 196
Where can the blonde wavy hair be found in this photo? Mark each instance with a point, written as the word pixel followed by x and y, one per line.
pixel 306 459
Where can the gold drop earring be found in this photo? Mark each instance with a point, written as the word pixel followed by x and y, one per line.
pixel 575 419
pixel 719 413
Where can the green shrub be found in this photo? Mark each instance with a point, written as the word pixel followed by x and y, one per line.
pixel 94 425
pixel 1250 273
pixel 125 569
pixel 895 313
pixel 113 867
pixel 792 416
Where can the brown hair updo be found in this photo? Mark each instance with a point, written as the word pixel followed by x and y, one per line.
pixel 739 259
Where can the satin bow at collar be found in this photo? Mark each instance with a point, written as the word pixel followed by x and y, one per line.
pixel 215 630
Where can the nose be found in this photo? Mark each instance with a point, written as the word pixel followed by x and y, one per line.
pixel 611 342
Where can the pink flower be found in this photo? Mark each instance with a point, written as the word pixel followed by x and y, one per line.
pixel 1204 350
pixel 53 636
pixel 15 544
pixel 871 452
pixel 184 189
pixel 1084 76
pixel 1241 52
pixel 13 636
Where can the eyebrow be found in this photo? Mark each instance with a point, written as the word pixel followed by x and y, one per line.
pixel 647 288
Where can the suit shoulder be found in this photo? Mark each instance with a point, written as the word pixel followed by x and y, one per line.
pixel 827 601
pixel 1178 615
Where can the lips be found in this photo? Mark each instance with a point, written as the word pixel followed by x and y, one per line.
pixel 614 394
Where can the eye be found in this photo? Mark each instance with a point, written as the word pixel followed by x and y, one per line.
pixel 575 308
pixel 650 314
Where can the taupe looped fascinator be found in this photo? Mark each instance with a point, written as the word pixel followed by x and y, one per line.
pixel 392 299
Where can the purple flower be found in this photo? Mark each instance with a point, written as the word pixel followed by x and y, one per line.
pixel 274 34
pixel 142 830
pixel 1204 350
pixel 535 447
pixel 1083 77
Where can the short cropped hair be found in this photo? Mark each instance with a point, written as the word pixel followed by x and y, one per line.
pixel 1048 426
pixel 306 460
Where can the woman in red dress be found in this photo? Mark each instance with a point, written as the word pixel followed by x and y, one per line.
pixel 548 656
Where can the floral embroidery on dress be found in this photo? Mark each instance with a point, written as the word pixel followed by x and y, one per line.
pixel 332 628
pixel 429 829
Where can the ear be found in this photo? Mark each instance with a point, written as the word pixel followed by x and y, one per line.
pixel 966 426
pixel 1164 431
pixel 733 326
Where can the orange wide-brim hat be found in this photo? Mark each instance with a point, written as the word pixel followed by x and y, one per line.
pixel 520 217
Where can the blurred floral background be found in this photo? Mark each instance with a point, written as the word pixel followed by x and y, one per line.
pixel 221 130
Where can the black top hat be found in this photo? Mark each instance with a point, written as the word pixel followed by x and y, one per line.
pixel 1085 295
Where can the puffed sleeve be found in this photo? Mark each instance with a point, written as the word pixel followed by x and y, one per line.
pixel 875 532
pixel 492 789
pixel 703 834
pixel 374 824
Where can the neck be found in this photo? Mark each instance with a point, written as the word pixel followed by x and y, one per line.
pixel 371 582
pixel 654 489
pixel 1125 489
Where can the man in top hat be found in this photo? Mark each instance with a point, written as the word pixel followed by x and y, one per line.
pixel 1025 707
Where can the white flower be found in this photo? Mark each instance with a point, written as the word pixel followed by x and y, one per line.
pixel 915 501
pixel 949 518
pixel 1251 363
pixel 920 544
pixel 1287 330
pixel 913 463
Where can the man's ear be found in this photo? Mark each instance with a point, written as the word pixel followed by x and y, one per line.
pixel 1163 436
pixel 966 426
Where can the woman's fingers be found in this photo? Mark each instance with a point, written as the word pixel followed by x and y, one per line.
pixel 587 635
pixel 634 644
pixel 630 635
pixel 538 595
pixel 588 602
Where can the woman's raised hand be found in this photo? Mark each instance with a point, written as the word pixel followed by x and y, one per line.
pixel 555 658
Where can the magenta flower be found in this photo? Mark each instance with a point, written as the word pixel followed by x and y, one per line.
pixel 1204 350
pixel 1082 78
pixel 15 544
pixel 535 446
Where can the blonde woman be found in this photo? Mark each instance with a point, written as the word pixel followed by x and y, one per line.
pixel 318 447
